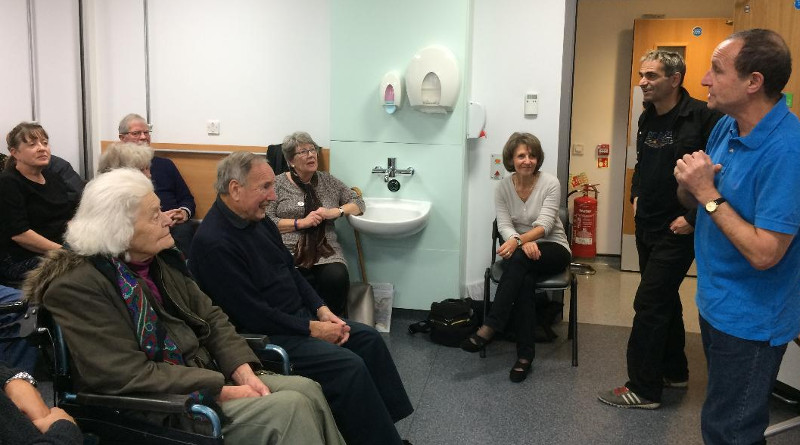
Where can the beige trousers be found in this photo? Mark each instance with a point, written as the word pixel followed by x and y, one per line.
pixel 295 413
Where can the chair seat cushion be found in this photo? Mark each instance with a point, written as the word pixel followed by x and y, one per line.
pixel 560 280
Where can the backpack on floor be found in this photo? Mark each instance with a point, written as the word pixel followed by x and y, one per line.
pixel 449 322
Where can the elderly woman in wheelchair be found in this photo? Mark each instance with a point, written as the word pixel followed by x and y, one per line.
pixel 527 204
pixel 135 322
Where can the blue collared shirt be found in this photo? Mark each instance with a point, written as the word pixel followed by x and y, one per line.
pixel 760 181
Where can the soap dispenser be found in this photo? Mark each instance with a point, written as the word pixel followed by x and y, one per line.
pixel 391 92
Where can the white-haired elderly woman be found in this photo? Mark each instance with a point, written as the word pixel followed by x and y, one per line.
pixel 308 202
pixel 126 155
pixel 135 321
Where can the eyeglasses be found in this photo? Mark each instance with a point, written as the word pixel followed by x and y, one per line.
pixel 136 134
pixel 307 152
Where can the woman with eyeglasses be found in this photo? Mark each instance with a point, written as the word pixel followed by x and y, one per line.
pixel 308 203
pixel 36 203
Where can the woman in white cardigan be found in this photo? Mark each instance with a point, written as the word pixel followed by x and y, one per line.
pixel 527 204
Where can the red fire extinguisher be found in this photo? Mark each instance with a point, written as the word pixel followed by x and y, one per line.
pixel 584 223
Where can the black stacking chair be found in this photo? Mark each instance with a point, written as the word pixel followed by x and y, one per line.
pixel 103 416
pixel 276 159
pixel 555 283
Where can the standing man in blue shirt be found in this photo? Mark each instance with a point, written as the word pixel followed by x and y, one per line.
pixel 748 257
pixel 176 199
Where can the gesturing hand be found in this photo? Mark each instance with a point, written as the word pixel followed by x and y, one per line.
pixel 695 173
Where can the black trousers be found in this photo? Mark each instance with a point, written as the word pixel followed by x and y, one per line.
pixel 359 379
pixel 515 293
pixel 655 347
pixel 332 283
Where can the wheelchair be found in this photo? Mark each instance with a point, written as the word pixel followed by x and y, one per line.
pixel 105 418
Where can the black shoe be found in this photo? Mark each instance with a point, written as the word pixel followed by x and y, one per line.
pixel 520 371
pixel 474 343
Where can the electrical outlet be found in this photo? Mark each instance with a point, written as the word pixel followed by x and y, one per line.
pixel 212 127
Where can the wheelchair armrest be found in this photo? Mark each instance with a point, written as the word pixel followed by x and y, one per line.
pixel 256 341
pixel 273 357
pixel 162 403
pixel 16 307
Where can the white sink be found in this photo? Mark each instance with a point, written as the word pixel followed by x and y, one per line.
pixel 391 218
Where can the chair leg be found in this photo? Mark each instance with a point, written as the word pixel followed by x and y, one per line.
pixel 486 279
pixel 573 318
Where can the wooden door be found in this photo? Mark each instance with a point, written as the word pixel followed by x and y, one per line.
pixel 679 35
pixel 783 17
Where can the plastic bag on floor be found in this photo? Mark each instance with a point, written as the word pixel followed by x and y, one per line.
pixel 384 298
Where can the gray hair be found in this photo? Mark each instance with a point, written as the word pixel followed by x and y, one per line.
pixel 672 62
pixel 291 142
pixel 125 123
pixel 235 167
pixel 104 221
pixel 125 155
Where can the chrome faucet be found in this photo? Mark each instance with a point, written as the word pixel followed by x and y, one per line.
pixel 391 170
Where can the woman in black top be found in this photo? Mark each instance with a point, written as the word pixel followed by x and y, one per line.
pixel 35 203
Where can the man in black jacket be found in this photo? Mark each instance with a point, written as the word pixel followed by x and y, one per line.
pixel 671 125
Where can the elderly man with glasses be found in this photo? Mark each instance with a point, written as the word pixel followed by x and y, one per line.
pixel 176 199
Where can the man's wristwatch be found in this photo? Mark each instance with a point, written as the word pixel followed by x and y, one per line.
pixel 22 375
pixel 519 241
pixel 712 206
pixel 341 212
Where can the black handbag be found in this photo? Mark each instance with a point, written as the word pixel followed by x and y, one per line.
pixel 449 321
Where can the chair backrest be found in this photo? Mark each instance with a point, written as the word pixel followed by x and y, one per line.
pixel 276 159
pixel 563 214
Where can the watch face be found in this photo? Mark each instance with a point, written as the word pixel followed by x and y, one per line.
pixel 711 206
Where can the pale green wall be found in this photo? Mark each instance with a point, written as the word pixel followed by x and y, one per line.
pixel 368 39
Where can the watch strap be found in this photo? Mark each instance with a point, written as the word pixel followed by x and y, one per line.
pixel 22 375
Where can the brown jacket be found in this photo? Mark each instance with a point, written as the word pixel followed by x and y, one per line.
pixel 98 330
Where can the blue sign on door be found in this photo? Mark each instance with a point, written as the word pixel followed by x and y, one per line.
pixel 697 31
pixel 796 4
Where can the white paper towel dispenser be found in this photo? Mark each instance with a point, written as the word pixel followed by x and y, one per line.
pixel 432 80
